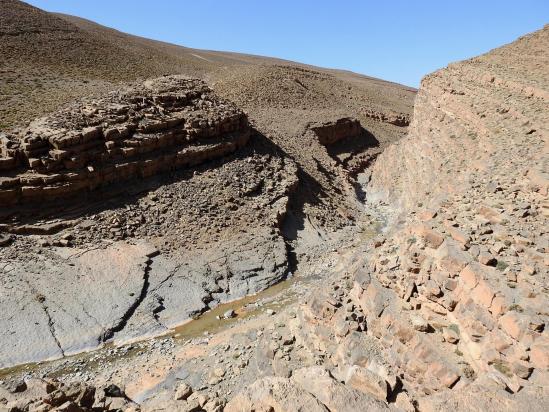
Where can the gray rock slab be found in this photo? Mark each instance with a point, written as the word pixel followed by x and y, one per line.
pixel 67 300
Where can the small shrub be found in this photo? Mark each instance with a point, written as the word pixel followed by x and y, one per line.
pixel 516 308
pixel 502 367
pixel 454 327
pixel 501 265
pixel 469 372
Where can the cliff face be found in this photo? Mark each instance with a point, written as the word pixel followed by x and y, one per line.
pixel 163 124
pixel 469 256
pixel 483 117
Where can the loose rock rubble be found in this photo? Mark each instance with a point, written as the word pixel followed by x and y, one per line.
pixel 51 395
pixel 448 308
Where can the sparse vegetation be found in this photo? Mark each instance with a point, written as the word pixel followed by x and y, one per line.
pixel 501 265
pixel 469 372
pixel 503 367
pixel 517 308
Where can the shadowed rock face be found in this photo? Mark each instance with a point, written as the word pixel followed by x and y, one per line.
pixel 160 125
pixel 331 132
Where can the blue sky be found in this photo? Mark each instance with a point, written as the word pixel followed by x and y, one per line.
pixel 395 40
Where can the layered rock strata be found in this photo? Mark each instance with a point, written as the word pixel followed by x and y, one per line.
pixel 160 125
pixel 471 179
pixel 448 308
pixel 331 132
pixel 397 119
pixel 482 120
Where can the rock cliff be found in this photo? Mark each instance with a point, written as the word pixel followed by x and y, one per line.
pixel 158 126
pixel 469 256
pixel 478 119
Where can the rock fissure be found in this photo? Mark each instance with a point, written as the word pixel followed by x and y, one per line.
pixel 122 322
pixel 52 330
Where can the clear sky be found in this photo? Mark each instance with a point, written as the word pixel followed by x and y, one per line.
pixel 397 40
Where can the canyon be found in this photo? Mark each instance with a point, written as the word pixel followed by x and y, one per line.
pixel 236 233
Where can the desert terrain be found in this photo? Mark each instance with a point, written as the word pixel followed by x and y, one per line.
pixel 193 230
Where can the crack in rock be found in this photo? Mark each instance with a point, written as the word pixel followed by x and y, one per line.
pixel 123 321
pixel 51 326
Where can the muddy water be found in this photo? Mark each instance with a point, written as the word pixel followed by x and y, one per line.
pixel 249 306
pixel 208 323
pixel 275 298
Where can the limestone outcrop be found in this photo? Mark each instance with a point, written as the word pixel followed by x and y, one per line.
pixel 93 252
pixel 397 119
pixel 163 124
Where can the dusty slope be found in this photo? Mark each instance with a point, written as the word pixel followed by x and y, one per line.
pixel 49 59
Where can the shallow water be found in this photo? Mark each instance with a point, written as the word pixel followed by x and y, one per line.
pixel 212 321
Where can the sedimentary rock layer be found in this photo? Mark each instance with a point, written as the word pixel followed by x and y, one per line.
pixel 162 124
pixel 448 308
pixel 471 261
pixel 486 114
pixel 332 132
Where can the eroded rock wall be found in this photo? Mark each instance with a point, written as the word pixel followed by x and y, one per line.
pixel 160 125
pixel 468 256
pixel 481 118
pixel 331 132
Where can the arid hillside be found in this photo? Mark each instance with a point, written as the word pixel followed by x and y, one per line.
pixel 49 59
pixel 189 230
pixel 447 310
pixel 52 59
pixel 196 177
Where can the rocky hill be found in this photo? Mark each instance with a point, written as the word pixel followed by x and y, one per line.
pixel 190 191
pixel 266 235
pixel 448 309
pixel 50 59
